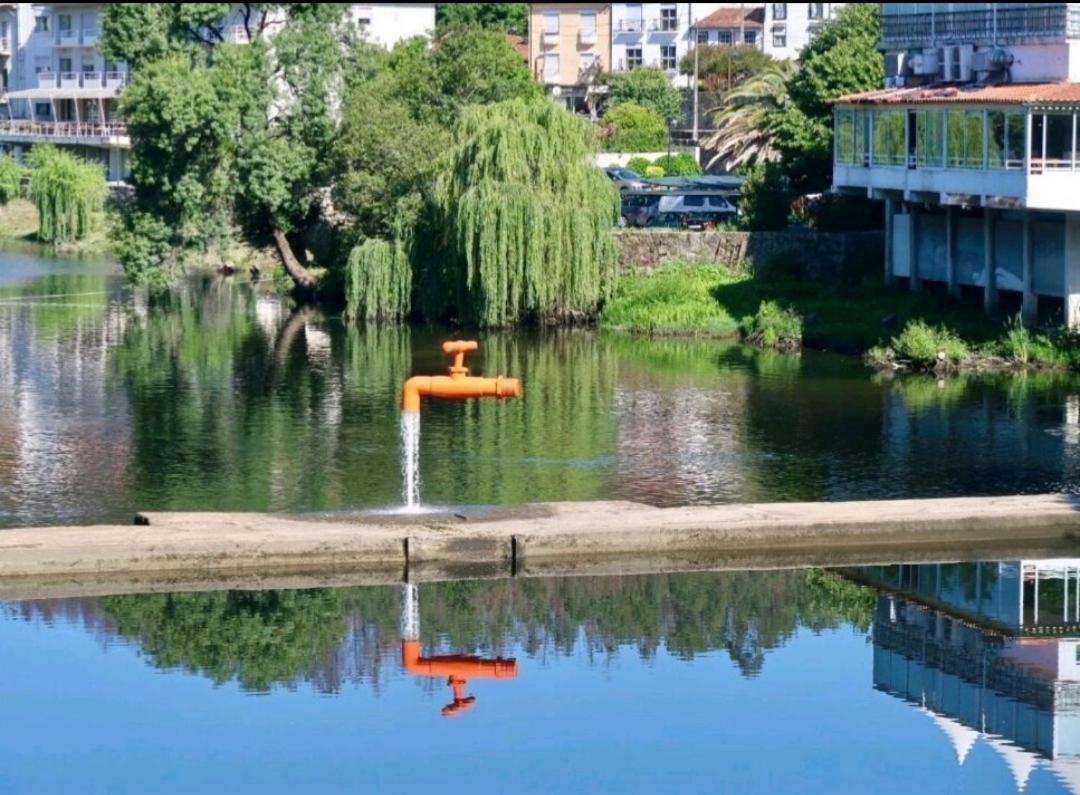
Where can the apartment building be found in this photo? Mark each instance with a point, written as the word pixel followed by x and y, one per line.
pixel 731 26
pixel 568 45
pixel 971 144
pixel 57 87
pixel 791 26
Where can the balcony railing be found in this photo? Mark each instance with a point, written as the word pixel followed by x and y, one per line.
pixel 81 79
pixel 630 26
pixel 1052 20
pixel 62 129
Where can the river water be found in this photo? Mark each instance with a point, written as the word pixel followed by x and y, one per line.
pixel 223 397
pixel 939 678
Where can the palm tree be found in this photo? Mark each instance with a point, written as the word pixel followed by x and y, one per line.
pixel 742 131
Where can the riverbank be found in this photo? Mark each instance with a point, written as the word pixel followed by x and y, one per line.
pixel 19 224
pixel 545 538
pixel 894 328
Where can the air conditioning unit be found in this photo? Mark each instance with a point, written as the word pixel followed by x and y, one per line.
pixel 923 64
pixel 957 63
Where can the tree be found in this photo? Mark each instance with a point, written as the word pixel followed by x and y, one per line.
pixel 722 67
pixel 647 86
pixel 765 198
pixel 629 127
pixel 526 217
pixel 505 17
pixel 227 137
pixel 11 174
pixel 744 120
pixel 842 59
pixel 66 190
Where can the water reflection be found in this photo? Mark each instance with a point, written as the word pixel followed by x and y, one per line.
pixel 990 652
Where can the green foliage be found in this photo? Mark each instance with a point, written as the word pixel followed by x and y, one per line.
pixel 638 164
pixel 765 198
pixel 745 118
pixel 67 192
pixel 654 171
pixel 505 17
pixel 379 281
pixel 721 67
pixel 673 299
pixel 774 326
pixel 647 86
pixel 629 127
pixel 526 215
pixel 922 343
pixel 851 603
pixel 682 164
pixel 11 174
pixel 842 59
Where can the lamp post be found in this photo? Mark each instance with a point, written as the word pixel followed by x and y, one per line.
pixel 670 127
pixel 697 48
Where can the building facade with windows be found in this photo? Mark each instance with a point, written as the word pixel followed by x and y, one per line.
pixel 569 44
pixel 731 26
pixel 972 146
pixel 791 26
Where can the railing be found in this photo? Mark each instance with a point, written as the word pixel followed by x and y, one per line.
pixel 81 80
pixel 67 38
pixel 630 26
pixel 1046 20
pixel 62 129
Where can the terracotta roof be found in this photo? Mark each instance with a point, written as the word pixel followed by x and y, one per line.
pixel 519 43
pixel 1008 94
pixel 753 17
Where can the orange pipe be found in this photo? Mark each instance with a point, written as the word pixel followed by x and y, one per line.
pixel 458 668
pixel 459 385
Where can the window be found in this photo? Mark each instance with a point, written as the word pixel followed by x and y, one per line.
pixel 702 37
pixel 779 36
pixel 844 125
pixel 633 19
pixel 41 24
pixel 669 19
pixel 929 138
pixel 779 10
pixel 551 67
pixel 633 57
pixel 551 23
pixel 588 61
pixel 889 137
pixel 724 37
pixel 693 201
pixel 42 110
pixel 668 60
pixel 65 65
pixel 964 138
pixel 63 22
pixel 750 37
pixel 1005 141
pixel 588 24
pixel 1059 140
pixel 815 10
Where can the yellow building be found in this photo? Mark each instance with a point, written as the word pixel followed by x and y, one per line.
pixel 569 44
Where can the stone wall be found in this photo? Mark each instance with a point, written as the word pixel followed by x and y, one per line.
pixel 820 255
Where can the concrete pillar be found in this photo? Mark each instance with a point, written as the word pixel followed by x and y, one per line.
pixel 1030 310
pixel 990 291
pixel 951 277
pixel 1072 270
pixel 914 280
pixel 890 209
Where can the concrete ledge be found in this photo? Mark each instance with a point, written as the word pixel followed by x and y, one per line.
pixel 178 551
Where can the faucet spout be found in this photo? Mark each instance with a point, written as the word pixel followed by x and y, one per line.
pixel 458 385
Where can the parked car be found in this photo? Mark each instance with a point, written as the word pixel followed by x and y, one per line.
pixel 639 208
pixel 694 210
pixel 625 179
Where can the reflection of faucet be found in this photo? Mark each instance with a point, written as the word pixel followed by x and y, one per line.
pixel 458 668
pixel 459 385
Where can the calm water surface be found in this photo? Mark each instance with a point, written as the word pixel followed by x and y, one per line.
pixel 779 681
pixel 222 396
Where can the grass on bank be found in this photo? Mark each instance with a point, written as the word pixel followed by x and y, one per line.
pixel 19 223
pixel 860 315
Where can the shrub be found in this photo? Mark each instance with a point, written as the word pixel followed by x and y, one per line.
pixel 66 190
pixel 638 165
pixel 629 127
pixel 774 326
pixel 647 87
pixel 764 199
pixel 654 171
pixel 11 174
pixel 681 165
pixel 929 345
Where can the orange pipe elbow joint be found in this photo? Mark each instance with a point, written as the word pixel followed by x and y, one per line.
pixel 458 385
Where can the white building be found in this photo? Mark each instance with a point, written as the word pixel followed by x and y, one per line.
pixel 790 26
pixel 386 24
pixel 655 34
pixel 972 146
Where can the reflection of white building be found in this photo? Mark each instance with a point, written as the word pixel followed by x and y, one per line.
pixel 990 652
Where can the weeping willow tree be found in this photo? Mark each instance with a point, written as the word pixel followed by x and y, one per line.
pixel 67 192
pixel 378 280
pixel 527 216
pixel 11 174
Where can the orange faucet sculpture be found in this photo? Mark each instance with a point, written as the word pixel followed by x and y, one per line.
pixel 458 668
pixel 459 385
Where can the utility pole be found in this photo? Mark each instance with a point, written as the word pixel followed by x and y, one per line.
pixel 697 48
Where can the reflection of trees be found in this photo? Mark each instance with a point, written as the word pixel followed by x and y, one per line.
pixel 329 637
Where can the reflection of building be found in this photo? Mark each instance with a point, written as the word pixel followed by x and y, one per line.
pixel 991 653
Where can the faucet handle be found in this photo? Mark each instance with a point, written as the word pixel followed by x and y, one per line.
pixel 458 349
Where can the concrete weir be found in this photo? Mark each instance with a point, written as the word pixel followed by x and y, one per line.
pixel 178 551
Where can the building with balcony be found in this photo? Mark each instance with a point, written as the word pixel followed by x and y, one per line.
pixel 569 44
pixel 971 144
pixel 731 26
pixel 788 27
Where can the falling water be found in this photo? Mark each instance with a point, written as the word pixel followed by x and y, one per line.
pixel 410 459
